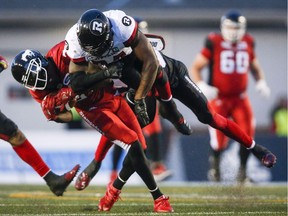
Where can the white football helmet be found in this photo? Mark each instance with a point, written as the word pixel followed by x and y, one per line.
pixel 233 26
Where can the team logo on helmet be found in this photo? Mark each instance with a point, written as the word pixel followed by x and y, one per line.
pixel 97 27
pixel 126 21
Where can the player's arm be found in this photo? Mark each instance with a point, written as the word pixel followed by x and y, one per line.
pixel 87 76
pixel 199 63
pixel 258 74
pixel 145 53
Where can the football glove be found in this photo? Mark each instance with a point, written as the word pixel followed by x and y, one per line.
pixel 48 107
pixel 141 112
pixel 114 70
pixel 3 64
pixel 209 91
pixel 56 103
pixel 262 88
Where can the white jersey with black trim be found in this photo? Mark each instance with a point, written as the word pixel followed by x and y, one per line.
pixel 124 30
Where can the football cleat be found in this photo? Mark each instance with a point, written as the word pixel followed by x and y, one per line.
pixel 266 157
pixel 169 111
pixel 162 205
pixel 160 172
pixel 58 184
pixel 87 175
pixel 183 127
pixel 82 181
pixel 112 195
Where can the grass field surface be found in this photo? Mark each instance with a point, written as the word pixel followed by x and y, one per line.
pixel 187 199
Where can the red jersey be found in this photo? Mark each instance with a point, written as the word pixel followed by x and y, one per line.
pixel 58 55
pixel 229 63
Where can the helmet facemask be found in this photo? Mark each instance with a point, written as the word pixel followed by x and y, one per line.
pixel 35 77
pixel 101 48
pixel 233 31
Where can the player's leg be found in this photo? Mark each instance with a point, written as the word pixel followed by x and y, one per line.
pixel 24 149
pixel 126 132
pixel 85 177
pixel 116 156
pixel 190 95
pixel 242 114
pixel 218 141
pixel 152 133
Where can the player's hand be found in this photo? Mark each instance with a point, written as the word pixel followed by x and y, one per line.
pixel 210 92
pixel 114 70
pixel 3 64
pixel 64 100
pixel 141 112
pixel 48 107
pixel 262 88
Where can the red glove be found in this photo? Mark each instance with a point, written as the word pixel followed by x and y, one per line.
pixel 54 104
pixel 48 107
pixel 65 99
pixel 3 64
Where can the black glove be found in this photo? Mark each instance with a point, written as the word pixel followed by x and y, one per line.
pixel 114 70
pixel 141 112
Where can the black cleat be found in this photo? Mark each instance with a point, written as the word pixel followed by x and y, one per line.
pixel 87 175
pixel 266 157
pixel 183 127
pixel 58 184
pixel 169 111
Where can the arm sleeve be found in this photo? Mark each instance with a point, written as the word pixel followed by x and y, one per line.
pixel 80 81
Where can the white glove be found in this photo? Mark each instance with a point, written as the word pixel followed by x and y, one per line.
pixel 209 91
pixel 262 88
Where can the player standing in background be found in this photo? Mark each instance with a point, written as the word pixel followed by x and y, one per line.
pixel 10 132
pixel 230 56
pixel 152 133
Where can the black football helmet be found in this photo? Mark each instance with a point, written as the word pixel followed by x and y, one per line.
pixel 94 32
pixel 233 26
pixel 29 68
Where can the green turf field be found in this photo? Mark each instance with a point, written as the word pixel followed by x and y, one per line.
pixel 191 199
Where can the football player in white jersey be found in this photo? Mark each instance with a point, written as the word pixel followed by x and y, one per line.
pixel 102 39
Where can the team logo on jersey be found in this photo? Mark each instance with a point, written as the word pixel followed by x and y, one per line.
pixel 126 21
pixel 66 80
pixel 97 27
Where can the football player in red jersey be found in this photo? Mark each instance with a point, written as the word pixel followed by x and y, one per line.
pixel 101 106
pixel 230 55
pixel 10 132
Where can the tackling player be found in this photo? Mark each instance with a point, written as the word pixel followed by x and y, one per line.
pixel 10 132
pixel 105 38
pixel 230 56
pixel 104 50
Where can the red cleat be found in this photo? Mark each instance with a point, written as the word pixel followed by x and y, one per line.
pixel 82 181
pixel 112 195
pixel 160 172
pixel 162 205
